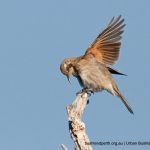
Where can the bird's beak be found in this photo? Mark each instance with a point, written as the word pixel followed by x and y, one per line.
pixel 68 77
pixel 70 71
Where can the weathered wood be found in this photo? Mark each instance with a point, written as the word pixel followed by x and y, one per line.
pixel 76 126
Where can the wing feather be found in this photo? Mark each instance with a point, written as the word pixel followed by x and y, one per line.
pixel 106 46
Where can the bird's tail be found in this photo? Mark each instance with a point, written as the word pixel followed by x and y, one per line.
pixel 117 92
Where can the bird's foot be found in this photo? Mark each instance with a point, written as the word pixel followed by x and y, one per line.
pixel 85 90
pixel 88 91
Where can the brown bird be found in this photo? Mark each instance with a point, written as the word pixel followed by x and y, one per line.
pixel 93 69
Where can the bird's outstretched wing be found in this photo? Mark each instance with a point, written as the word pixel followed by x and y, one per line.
pixel 106 46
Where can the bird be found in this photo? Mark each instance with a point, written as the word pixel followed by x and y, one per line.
pixel 93 69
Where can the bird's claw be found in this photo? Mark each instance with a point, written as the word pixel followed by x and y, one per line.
pixel 88 91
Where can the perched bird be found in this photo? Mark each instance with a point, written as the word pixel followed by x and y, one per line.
pixel 93 69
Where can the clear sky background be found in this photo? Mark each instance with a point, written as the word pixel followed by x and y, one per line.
pixel 35 36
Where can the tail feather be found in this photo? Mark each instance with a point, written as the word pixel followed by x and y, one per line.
pixel 124 100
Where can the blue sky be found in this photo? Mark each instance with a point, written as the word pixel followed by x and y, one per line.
pixel 35 37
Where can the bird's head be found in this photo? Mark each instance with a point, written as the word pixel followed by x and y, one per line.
pixel 66 67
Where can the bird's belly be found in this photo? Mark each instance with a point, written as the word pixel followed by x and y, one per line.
pixel 92 82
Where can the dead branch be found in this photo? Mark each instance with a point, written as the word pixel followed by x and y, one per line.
pixel 76 126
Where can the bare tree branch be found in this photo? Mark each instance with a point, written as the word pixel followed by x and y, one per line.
pixel 76 126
